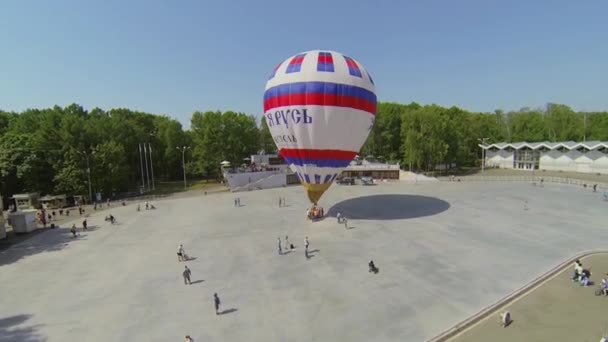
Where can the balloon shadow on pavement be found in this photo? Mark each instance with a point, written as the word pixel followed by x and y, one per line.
pixel 13 329
pixel 388 207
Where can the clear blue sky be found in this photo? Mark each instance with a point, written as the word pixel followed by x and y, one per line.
pixel 175 57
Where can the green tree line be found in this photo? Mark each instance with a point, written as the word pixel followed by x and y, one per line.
pixel 45 150
pixel 426 136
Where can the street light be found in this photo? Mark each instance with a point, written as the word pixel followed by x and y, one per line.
pixel 183 149
pixel 483 153
pixel 86 155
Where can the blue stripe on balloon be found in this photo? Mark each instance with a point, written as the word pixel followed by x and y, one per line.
pixel 327 178
pixel 306 178
pixel 320 88
pixel 337 163
pixel 317 179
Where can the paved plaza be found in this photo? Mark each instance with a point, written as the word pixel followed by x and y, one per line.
pixel 557 310
pixel 444 250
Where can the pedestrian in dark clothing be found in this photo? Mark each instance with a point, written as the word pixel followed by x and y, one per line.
pixel 73 230
pixel 84 224
pixel 238 199
pixel 594 187
pixel 186 275
pixel 372 267
pixel 280 201
pixel 280 250
pixel 216 301
pixel 235 202
pixel 306 246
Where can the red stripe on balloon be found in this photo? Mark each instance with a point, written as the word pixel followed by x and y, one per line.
pixel 317 154
pixel 320 100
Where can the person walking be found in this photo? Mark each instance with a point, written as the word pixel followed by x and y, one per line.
pixel 345 222
pixel 339 216
pixel 216 301
pixel 181 253
pixel 306 243
pixel 235 201
pixel 280 200
pixel 287 245
pixel 84 224
pixel 187 273
pixel 73 230
pixel 280 249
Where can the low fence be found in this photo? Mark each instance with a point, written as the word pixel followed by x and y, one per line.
pixel 536 180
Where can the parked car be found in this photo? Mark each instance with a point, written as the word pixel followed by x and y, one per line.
pixel 367 180
pixel 346 181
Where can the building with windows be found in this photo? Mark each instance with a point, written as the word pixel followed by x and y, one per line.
pixel 586 157
pixel 264 171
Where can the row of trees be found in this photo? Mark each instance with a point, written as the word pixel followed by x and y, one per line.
pixel 425 136
pixel 45 150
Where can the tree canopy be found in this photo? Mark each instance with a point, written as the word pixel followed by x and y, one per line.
pixel 46 150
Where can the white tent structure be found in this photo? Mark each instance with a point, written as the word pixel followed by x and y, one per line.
pixel 586 157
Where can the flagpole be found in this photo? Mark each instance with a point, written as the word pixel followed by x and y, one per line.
pixel 146 160
pixel 141 164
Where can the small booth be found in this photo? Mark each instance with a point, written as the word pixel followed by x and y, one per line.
pixel 23 221
pixel 78 200
pixel 53 202
pixel 26 201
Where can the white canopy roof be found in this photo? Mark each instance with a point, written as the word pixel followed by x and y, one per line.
pixel 569 145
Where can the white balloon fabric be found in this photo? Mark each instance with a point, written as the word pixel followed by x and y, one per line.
pixel 320 107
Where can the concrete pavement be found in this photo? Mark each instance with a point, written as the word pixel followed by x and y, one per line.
pixel 444 250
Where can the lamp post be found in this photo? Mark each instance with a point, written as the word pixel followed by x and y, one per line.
pixel 483 153
pixel 86 155
pixel 146 162
pixel 183 149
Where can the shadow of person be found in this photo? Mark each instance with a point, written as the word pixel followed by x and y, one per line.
pixel 228 311
pixel 197 282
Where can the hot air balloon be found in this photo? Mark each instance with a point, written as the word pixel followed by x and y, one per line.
pixel 320 107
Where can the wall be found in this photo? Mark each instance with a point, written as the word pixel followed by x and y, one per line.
pixel 501 158
pixel 574 161
pixel 255 180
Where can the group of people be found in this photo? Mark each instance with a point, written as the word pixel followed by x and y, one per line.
pixel 581 275
pixel 288 246
pixel 315 213
pixel 73 229
pixel 148 206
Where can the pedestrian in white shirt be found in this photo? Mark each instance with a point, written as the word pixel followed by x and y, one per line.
pixel 181 253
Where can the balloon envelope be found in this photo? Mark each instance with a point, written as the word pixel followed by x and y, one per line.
pixel 320 107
